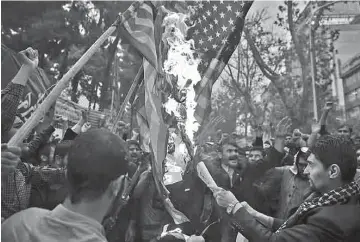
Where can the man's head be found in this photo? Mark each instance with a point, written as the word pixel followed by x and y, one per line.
pixel 256 154
pixel 358 156
pixel 61 152
pixel 356 140
pixel 301 160
pixel 134 150
pixel 344 130
pixel 229 153
pixel 95 163
pixel 332 163
pixel 288 138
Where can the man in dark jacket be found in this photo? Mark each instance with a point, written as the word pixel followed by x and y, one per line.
pixel 226 174
pixel 331 213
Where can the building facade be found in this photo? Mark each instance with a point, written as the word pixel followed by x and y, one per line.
pixel 350 76
pixel 343 17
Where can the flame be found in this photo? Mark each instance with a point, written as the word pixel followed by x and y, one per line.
pixel 181 64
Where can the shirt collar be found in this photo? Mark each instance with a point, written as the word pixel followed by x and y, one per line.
pixel 228 169
pixel 65 214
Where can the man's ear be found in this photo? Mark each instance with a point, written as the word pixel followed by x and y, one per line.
pixel 334 171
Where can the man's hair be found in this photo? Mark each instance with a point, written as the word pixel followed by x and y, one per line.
pixel 230 141
pixel 62 148
pixel 346 126
pixel 339 150
pixel 258 148
pixel 95 159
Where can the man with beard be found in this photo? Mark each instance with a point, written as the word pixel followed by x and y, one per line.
pixel 331 213
pixel 286 186
pixel 134 155
pixel 233 172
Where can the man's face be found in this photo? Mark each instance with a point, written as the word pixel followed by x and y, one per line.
pixel 255 156
pixel 229 155
pixel 301 165
pixel 318 175
pixel 358 157
pixel 357 141
pixel 134 152
pixel 288 139
pixel 345 131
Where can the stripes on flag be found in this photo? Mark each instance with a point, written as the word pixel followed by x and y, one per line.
pixel 203 97
pixel 216 44
pixel 139 31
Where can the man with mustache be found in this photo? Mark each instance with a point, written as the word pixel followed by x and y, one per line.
pixel 331 213
pixel 232 171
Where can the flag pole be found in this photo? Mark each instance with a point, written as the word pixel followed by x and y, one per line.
pixel 24 131
pixel 134 85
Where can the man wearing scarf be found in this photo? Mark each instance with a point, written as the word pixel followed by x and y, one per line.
pixel 331 213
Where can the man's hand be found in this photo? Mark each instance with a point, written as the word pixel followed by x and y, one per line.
pixel 29 58
pixel 85 127
pixel 130 232
pixel 10 158
pixel 283 128
pixel 328 106
pixel 225 198
pixel 84 116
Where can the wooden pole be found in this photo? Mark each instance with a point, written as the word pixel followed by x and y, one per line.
pixel 24 131
pixel 134 85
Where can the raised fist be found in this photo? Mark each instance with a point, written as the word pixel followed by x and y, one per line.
pixel 29 57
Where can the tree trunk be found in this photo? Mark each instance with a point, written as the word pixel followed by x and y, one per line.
pixel 74 86
pixel 96 88
pixel 104 97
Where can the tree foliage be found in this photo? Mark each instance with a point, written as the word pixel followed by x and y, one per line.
pixel 62 32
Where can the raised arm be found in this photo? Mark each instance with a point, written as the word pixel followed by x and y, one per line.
pixel 10 96
pixel 274 156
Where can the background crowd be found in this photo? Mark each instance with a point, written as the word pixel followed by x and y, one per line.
pixel 75 181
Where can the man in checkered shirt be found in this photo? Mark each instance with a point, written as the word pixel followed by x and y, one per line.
pixel 17 176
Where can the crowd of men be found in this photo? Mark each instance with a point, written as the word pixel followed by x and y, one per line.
pixel 294 187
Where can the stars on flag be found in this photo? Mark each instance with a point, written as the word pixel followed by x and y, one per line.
pixel 217 19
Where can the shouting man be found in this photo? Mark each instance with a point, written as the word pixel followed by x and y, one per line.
pixel 331 213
